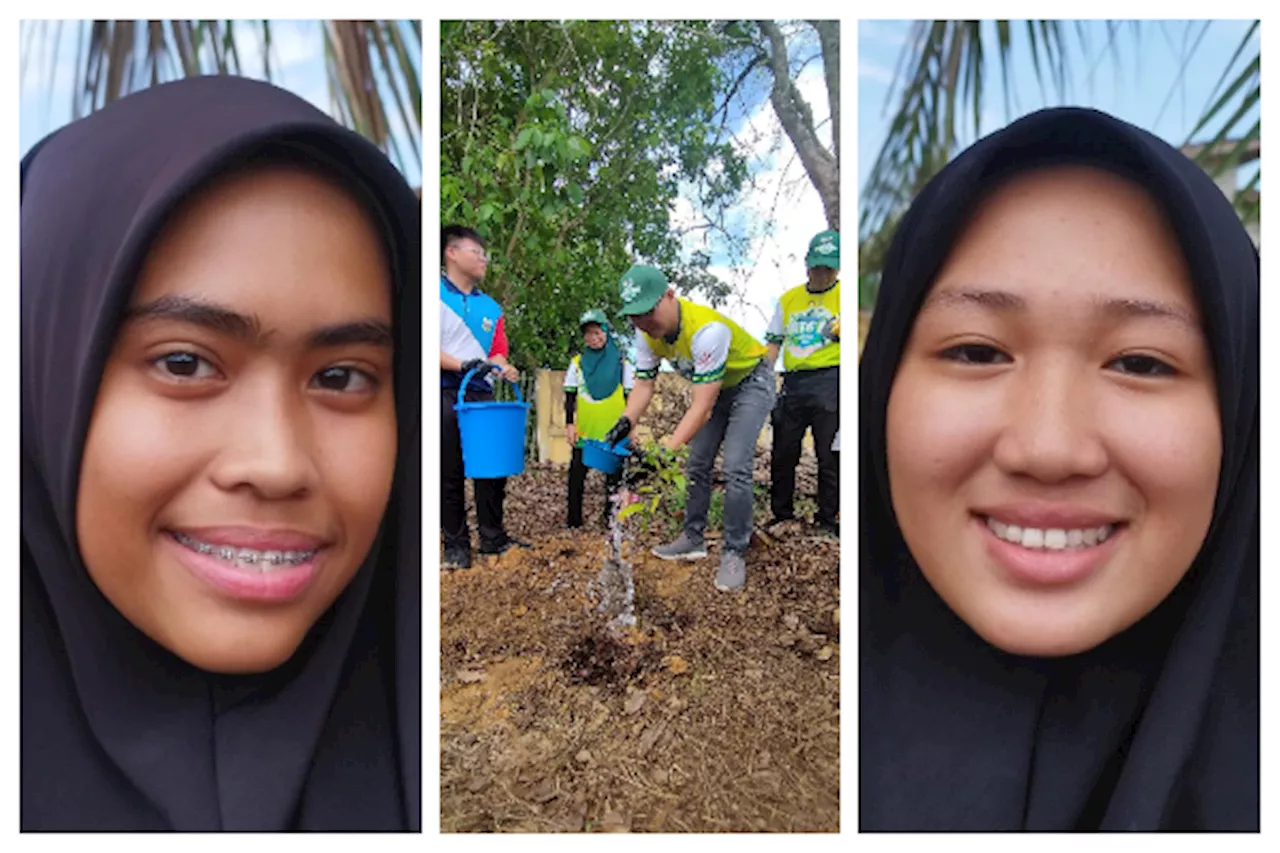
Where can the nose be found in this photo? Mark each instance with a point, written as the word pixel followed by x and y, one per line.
pixel 1050 432
pixel 267 448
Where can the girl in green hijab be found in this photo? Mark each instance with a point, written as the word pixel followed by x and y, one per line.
pixel 596 387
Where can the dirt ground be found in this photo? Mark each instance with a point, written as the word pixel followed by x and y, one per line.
pixel 717 712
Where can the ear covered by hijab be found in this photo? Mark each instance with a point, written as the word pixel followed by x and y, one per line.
pixel 117 733
pixel 1154 729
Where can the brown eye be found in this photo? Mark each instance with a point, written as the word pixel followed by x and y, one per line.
pixel 1142 365
pixel 975 354
pixel 185 365
pixel 346 380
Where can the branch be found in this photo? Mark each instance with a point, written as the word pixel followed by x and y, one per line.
pixel 797 120
pixel 758 60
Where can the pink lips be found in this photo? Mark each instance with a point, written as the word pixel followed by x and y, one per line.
pixel 277 585
pixel 257 538
pixel 1047 516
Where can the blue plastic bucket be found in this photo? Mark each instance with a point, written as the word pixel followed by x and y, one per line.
pixel 492 435
pixel 602 457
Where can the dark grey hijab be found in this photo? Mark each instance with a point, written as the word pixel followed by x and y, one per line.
pixel 117 733
pixel 1158 727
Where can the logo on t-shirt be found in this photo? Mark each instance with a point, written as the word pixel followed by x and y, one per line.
pixel 804 331
pixel 487 324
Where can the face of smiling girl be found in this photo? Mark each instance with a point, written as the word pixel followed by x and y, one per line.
pixel 1053 434
pixel 243 440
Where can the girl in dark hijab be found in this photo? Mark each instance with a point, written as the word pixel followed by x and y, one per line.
pixel 1059 446
pixel 221 352
pixel 596 387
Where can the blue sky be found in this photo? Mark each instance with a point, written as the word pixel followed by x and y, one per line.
pixel 1147 88
pixel 779 211
pixel 297 65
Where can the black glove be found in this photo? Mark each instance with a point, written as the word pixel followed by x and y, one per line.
pixel 831 329
pixel 477 364
pixel 620 430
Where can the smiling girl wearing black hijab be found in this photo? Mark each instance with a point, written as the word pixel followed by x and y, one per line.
pixel 1059 440
pixel 221 352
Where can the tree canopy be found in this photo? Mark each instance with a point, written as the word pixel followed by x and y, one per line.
pixel 567 144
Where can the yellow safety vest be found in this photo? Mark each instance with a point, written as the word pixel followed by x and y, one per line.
pixel 745 351
pixel 594 418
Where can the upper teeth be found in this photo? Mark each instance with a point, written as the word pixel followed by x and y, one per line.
pixel 1054 538
pixel 246 556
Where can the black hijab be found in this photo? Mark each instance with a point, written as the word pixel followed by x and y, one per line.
pixel 1158 727
pixel 118 733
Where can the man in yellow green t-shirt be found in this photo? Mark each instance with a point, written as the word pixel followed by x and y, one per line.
pixel 733 392
pixel 806 327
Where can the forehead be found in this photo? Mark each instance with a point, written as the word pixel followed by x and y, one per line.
pixel 1069 233
pixel 279 241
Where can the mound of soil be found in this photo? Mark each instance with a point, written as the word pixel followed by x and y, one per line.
pixel 716 712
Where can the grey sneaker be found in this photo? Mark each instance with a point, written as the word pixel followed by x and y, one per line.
pixel 684 548
pixel 733 572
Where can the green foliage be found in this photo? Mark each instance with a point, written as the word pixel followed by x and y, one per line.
pixel 565 144
pixel 662 497
pixel 715 510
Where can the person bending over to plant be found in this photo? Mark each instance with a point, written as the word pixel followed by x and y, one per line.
pixel 734 391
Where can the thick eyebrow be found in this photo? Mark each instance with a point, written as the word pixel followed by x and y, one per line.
pixel 1112 307
pixel 248 328
pixel 372 332
pixel 1000 300
pixel 198 312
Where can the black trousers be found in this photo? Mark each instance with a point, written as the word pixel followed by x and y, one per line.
pixel 453 494
pixel 577 485
pixel 810 399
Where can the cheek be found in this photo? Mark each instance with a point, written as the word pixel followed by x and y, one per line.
pixel 137 457
pixel 356 455
pixel 937 434
pixel 1171 452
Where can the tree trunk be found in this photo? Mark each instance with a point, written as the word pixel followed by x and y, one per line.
pixel 829 38
pixel 797 119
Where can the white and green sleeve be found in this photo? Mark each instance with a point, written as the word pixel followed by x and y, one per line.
pixel 647 361
pixel 572 376
pixel 710 350
pixel 776 333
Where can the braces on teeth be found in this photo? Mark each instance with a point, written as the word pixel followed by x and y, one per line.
pixel 245 555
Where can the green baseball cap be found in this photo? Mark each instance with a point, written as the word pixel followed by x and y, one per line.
pixel 824 251
pixel 641 288
pixel 595 315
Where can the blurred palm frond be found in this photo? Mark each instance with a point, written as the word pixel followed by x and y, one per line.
pixel 940 88
pixel 373 67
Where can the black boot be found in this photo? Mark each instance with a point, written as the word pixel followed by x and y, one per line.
pixel 456 557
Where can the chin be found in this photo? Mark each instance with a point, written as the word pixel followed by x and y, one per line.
pixel 1037 638
pixel 236 656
